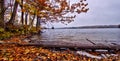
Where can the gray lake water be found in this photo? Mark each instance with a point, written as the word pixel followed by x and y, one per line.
pixel 102 34
pixel 101 37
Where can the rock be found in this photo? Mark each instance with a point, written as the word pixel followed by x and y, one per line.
pixel 27 40
pixel 1 42
pixel 88 54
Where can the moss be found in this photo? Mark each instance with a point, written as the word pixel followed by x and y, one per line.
pixel 1 30
pixel 5 35
pixel 16 30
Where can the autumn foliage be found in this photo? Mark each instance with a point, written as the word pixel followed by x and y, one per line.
pixel 37 12
pixel 55 10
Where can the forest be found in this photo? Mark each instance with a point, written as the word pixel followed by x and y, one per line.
pixel 20 19
pixel 24 16
pixel 39 11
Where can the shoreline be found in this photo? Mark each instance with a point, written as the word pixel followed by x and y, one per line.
pixel 26 51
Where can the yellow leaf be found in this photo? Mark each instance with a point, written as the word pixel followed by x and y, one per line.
pixel 26 51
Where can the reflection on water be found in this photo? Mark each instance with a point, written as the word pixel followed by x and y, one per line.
pixel 112 34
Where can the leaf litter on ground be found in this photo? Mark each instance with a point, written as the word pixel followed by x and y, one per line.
pixel 13 52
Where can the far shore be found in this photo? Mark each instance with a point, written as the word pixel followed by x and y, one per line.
pixel 88 27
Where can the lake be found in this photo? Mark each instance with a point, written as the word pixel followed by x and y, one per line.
pixel 108 34
pixel 103 38
pixel 106 37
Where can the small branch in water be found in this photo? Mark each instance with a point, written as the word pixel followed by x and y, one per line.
pixel 90 41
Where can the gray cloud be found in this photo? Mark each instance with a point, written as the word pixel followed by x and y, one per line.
pixel 101 12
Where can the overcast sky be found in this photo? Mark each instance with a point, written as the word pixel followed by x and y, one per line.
pixel 102 12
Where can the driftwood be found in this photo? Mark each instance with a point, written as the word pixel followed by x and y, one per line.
pixel 57 44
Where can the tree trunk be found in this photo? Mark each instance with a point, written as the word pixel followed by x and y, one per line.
pixel 11 4
pixel 26 18
pixel 22 13
pixel 38 24
pixel 32 20
pixel 2 12
pixel 11 21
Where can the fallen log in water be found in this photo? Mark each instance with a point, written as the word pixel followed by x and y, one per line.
pixel 58 44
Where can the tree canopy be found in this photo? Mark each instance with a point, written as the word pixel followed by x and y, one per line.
pixel 43 10
pixel 55 10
